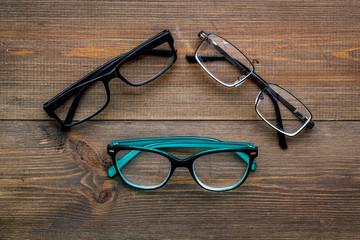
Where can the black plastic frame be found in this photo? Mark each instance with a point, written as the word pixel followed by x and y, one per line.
pixel 105 73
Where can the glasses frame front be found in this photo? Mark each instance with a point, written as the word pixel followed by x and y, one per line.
pixel 187 163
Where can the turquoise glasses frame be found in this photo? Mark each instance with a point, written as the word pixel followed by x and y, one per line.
pixel 246 152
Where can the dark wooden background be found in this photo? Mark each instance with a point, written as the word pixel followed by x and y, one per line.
pixel 53 185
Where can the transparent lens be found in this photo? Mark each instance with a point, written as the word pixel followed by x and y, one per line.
pixel 90 99
pixel 148 65
pixel 223 61
pixel 274 100
pixel 221 171
pixel 143 169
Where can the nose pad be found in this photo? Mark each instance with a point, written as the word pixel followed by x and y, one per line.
pixel 261 96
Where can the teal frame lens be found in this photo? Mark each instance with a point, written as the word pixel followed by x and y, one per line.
pixel 247 152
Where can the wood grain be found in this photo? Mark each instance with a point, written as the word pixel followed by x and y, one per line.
pixel 53 185
pixel 52 181
pixel 307 55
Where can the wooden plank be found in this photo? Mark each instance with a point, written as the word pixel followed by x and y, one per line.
pixel 54 185
pixel 310 48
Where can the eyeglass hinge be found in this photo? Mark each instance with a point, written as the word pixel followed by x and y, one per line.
pixel 202 35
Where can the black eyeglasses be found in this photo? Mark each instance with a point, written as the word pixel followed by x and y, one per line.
pixel 229 66
pixel 90 95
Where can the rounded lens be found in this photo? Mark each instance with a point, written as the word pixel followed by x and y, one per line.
pixel 139 69
pixel 223 61
pixel 222 170
pixel 143 169
pixel 275 100
pixel 86 101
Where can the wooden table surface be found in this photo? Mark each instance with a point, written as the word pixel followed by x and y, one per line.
pixel 53 184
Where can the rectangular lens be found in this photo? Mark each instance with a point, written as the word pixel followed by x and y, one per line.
pixel 221 170
pixel 274 101
pixel 143 169
pixel 148 65
pixel 223 61
pixel 82 102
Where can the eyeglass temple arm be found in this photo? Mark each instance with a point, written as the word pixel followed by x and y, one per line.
pixel 74 104
pixel 145 141
pixel 126 158
pixel 182 139
pixel 262 84
pixel 71 112
pixel 281 136
pixel 293 109
pixel 232 60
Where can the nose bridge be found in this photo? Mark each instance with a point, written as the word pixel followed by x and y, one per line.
pixel 183 163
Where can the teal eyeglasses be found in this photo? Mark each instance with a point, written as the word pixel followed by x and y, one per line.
pixel 146 163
